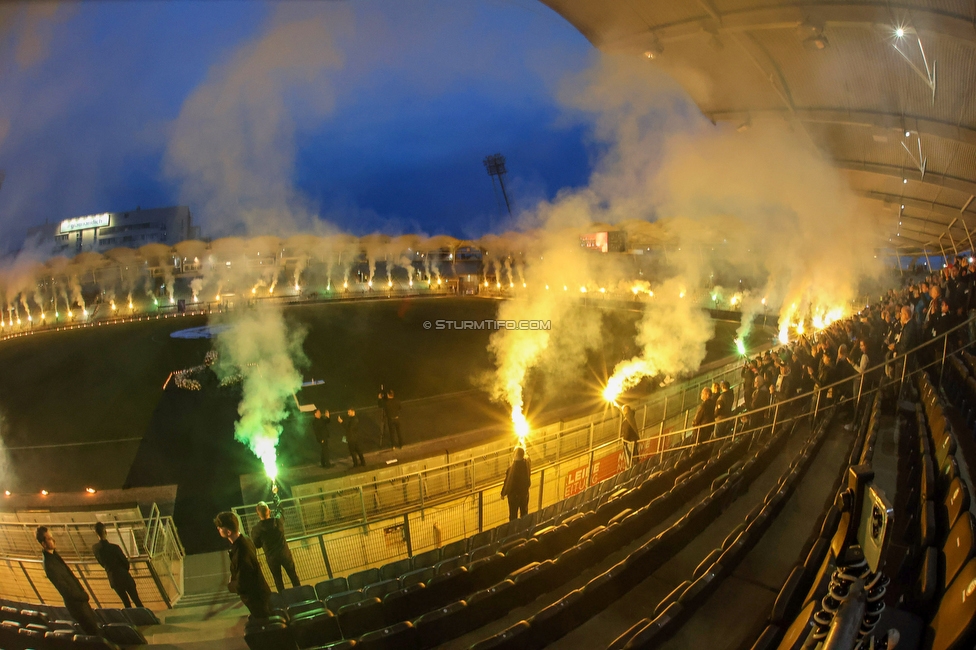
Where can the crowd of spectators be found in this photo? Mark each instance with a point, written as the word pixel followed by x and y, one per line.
pixel 926 308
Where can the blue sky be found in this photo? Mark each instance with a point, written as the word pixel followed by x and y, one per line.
pixel 389 138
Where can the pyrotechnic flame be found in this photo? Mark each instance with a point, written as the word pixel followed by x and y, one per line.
pixel 582 289
pixel 130 304
pixel 297 287
pixel 626 375
pixel 784 334
pixel 112 305
pixel 681 294
pixel 390 283
pixel 520 423
pixel 800 329
pixel 370 284
pixel 740 345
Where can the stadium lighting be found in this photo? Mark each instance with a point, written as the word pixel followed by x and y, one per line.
pixel 899 32
pixel 907 133
pixel 90 490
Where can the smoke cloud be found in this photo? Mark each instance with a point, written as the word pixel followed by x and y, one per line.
pixel 232 148
pixel 264 352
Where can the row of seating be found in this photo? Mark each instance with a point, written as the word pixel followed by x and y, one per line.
pixel 678 606
pixel 948 565
pixel 470 595
pixel 813 567
pixel 36 629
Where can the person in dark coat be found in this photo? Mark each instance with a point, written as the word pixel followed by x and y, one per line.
pixel 351 425
pixel 116 565
pixel 723 410
pixel 246 579
pixel 320 425
pixel 628 426
pixel 391 412
pixel 705 415
pixel 64 580
pixel 760 400
pixel 516 486
pixel 269 534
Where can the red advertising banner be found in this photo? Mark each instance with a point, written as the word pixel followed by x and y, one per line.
pixel 606 467
pixel 576 481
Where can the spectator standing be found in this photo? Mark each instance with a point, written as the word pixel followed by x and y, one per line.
pixel 64 580
pixel 705 415
pixel 391 412
pixel 516 486
pixel 351 426
pixel 116 565
pixel 320 425
pixel 269 534
pixel 246 579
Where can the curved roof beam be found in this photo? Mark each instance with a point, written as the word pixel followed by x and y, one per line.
pixel 871 16
pixel 893 171
pixel 941 209
pixel 863 119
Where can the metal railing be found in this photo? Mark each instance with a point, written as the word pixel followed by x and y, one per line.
pixel 372 543
pixel 367 498
pixel 151 544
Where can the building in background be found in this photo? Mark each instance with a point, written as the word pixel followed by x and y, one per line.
pixel 612 241
pixel 103 232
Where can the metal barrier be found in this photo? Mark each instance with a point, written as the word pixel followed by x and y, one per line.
pixel 320 507
pixel 152 545
pixel 372 543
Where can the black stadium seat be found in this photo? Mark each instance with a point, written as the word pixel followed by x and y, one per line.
pixel 360 617
pixel 297 595
pixel 140 616
pixel 401 636
pixel 123 634
pixel 328 588
pixel 268 634
pixel 442 624
pixel 513 638
pixel 394 570
pixel 315 629
pixel 954 624
pixel 360 579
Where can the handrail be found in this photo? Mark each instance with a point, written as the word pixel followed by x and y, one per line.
pixel 734 434
pixel 497 449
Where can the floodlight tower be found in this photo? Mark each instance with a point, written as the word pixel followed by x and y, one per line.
pixel 495 165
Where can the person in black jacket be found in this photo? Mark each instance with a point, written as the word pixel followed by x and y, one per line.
pixel 723 410
pixel 351 425
pixel 246 579
pixel 390 406
pixel 516 486
pixel 74 595
pixel 269 534
pixel 628 426
pixel 320 425
pixel 116 565
pixel 705 415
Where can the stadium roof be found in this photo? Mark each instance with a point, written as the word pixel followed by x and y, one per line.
pixel 885 90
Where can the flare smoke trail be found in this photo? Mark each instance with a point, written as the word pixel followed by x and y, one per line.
pixel 266 352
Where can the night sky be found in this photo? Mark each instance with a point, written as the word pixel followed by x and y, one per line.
pixel 389 136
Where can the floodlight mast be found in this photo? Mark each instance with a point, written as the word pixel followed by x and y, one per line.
pixel 495 165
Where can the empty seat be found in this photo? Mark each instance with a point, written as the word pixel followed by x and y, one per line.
pixel 360 617
pixel 956 502
pixel 381 589
pixel 454 549
pixel 268 635
pixel 106 615
pixel 306 608
pixel 513 638
pixel 336 601
pixel 440 625
pixel 297 595
pixel 405 604
pixel 450 564
pixel 140 616
pixel 426 559
pixel 86 642
pixel 394 570
pixel 959 547
pixel 954 624
pixel 420 575
pixel 123 634
pixel 360 579
pixel 315 629
pixel 328 588
pixel 394 637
